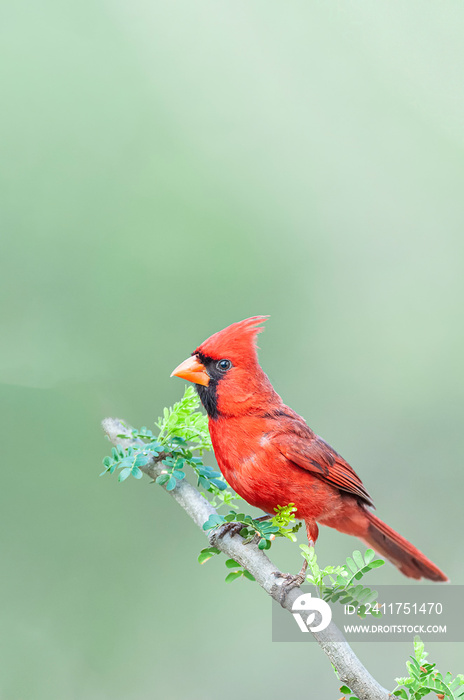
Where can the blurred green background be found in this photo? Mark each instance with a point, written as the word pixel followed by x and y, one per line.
pixel 167 169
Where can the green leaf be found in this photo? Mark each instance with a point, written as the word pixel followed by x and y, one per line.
pixel 213 550
pixel 370 597
pixel 357 590
pixel 232 564
pixel 137 473
pixel 375 564
pixel 233 576
pixel 347 599
pixel 249 576
pixel 126 462
pixel 369 554
pixel 351 565
pixel 162 478
pixel 344 689
pixel 141 460
pixel 203 482
pixel 204 556
pixel 124 474
pixel 171 484
pixel 358 559
pixel 207 553
pixel 213 521
pixel 419 648
pixel 219 483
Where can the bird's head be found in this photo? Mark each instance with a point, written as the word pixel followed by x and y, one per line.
pixel 226 371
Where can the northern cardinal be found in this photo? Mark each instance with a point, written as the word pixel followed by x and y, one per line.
pixel 270 457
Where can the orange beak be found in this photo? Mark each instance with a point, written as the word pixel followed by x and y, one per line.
pixel 192 370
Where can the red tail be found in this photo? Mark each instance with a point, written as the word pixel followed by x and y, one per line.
pixel 409 560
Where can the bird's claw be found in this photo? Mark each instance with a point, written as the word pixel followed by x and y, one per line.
pixel 231 528
pixel 290 581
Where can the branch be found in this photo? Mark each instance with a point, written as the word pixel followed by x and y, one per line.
pixel 349 668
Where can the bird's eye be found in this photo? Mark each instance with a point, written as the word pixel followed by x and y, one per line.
pixel 224 365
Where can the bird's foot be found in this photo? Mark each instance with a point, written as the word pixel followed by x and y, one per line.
pixel 231 528
pixel 291 581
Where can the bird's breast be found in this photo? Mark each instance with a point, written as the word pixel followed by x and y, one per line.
pixel 240 453
pixel 260 473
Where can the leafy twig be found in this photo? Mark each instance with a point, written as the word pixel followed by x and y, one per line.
pixel 342 579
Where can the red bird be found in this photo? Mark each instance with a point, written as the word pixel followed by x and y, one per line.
pixel 270 457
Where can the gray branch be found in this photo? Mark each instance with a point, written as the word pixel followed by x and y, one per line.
pixel 349 668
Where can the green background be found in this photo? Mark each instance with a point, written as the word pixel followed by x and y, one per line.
pixel 168 168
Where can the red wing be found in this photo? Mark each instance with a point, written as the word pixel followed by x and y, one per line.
pixel 310 452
